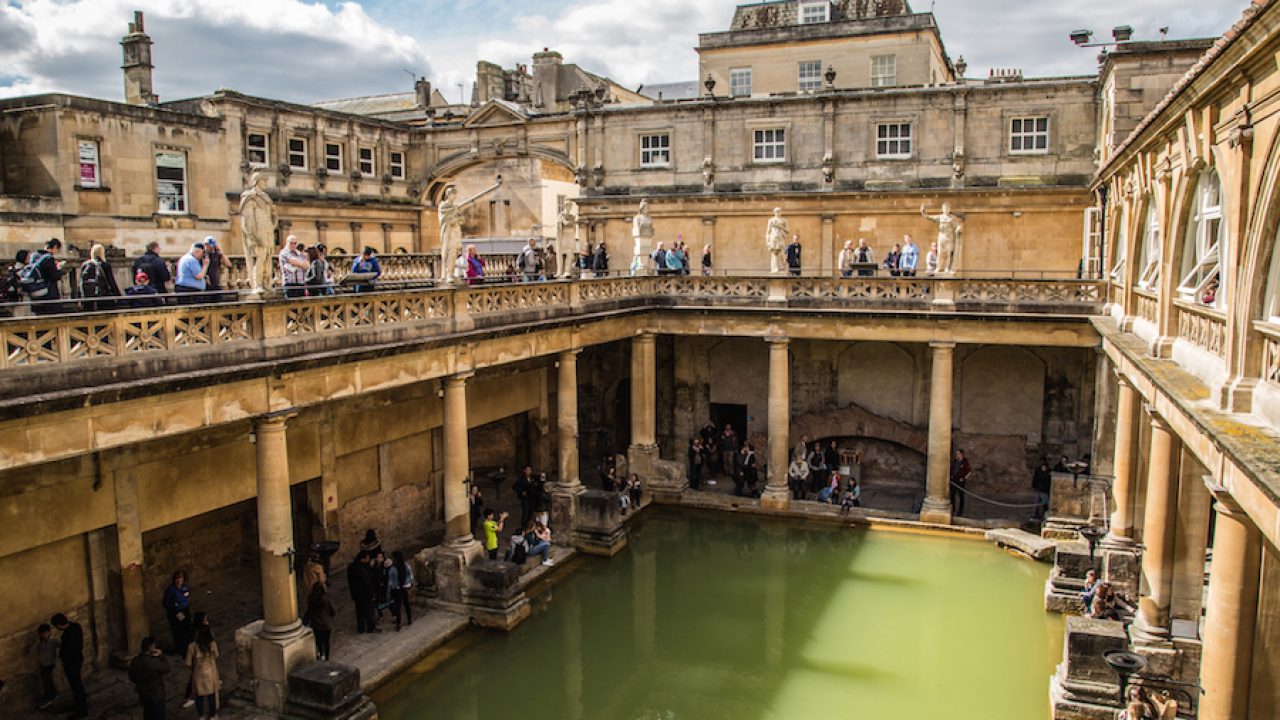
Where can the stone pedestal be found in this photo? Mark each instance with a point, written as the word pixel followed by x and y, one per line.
pixel 599 523
pixel 493 597
pixel 668 481
pixel 1084 686
pixel 451 562
pixel 328 691
pixel 1070 503
pixel 264 662
pixel 1066 581
pixel 564 510
pixel 642 461
pixel 1121 568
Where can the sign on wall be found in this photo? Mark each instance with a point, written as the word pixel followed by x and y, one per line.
pixel 89 166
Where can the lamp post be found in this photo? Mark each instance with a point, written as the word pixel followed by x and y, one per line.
pixel 1129 665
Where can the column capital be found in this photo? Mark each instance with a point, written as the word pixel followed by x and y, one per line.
pixel 645 336
pixel 1226 504
pixel 457 379
pixel 778 340
pixel 1157 420
pixel 942 344
pixel 1122 378
pixel 274 421
pixel 570 353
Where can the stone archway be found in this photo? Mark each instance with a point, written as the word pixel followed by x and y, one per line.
pixel 893 452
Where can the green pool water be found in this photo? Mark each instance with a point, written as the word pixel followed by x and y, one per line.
pixel 707 617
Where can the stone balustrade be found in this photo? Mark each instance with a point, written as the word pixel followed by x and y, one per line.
pixel 73 338
pixel 1201 326
pixel 1270 351
pixel 1145 305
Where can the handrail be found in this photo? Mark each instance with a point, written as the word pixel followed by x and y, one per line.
pixel 126 333
pixel 1203 327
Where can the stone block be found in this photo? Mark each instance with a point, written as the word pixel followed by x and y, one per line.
pixel 493 597
pixel 450 563
pixel 1084 671
pixel 1033 546
pixel 1066 581
pixel 328 691
pixel 600 530
pixel 1122 567
pixel 1069 499
pixel 267 662
pixel 564 509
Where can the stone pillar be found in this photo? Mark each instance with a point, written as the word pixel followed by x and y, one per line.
pixel 1231 613
pixel 457 463
pixel 1151 624
pixel 1122 489
pixel 269 649
pixel 776 494
pixel 1194 507
pixel 129 549
pixel 275 528
pixel 643 452
pixel 568 484
pixel 937 501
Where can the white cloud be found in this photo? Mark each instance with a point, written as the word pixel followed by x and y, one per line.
pixel 288 49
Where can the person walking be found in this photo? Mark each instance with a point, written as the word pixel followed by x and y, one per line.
pixel 192 269
pixel 155 267
pixel 177 608
pixel 523 488
pixel 706 260
pixel 892 260
pixel 492 527
pixel 400 580
pixel 863 256
pixel 600 261
pixel 320 615
pixel 475 266
pixel 695 462
pixel 313 573
pixel 218 262
pixel 1042 483
pixel 729 454
pixel 360 583
pixel 530 261
pixel 910 257
pixel 750 469
pixel 931 259
pixel 147 671
pixel 39 279
pixel 960 471
pixel 71 653
pixel 844 261
pixel 541 499
pixel 202 658
pixel 293 268
pixel 97 282
pixel 477 506
pixel 793 252
pixel 46 651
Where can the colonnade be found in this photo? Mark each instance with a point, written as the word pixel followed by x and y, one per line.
pixel 1234 576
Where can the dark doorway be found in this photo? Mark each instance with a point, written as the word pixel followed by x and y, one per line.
pixel 306 518
pixel 736 415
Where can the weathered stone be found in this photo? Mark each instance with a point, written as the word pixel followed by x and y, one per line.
pixel 328 691
pixel 600 530
pixel 493 596
pixel 1033 546
pixel 1084 686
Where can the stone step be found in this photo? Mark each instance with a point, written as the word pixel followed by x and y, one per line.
pixel 1033 546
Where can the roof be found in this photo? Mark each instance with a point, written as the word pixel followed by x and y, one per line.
pixel 1250 16
pixel 683 90
pixel 781 13
pixel 836 28
pixel 380 104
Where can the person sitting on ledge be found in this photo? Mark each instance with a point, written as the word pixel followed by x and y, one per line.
pixel 541 543
pixel 1090 589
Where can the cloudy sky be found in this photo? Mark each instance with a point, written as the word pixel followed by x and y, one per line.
pixel 306 50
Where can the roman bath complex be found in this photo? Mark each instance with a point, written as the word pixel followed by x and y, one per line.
pixel 1097 284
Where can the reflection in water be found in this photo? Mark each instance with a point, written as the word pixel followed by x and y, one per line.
pixel 721 617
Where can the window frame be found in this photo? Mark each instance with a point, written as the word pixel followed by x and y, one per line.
pixel 1120 248
pixel 1151 249
pixel 737 73
pixel 396 168
pixel 1034 135
pixel 900 138
pixel 183 197
pixel 876 78
pixel 95 162
pixel 290 153
pixel 809 84
pixel 264 149
pixel 807 5
pixel 647 154
pixel 339 156
pixel 1207 218
pixel 777 141
pixel 366 157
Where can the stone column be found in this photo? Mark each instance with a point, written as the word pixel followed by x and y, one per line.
pixel 275 529
pixel 129 548
pixel 1122 489
pixel 1151 625
pixel 278 644
pixel 1231 613
pixel 643 452
pixel 776 494
pixel 568 483
pixel 457 463
pixel 937 501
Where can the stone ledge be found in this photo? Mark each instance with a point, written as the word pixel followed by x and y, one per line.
pixel 1033 546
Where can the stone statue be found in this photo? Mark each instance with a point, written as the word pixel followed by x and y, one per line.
pixel 949 235
pixel 567 225
pixel 258 229
pixel 449 213
pixel 775 239
pixel 641 236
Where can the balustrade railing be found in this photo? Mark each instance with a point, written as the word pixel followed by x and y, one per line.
pixel 1200 326
pixel 1270 351
pixel 1145 305
pixel 52 339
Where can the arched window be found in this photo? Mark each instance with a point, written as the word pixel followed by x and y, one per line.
pixel 1120 248
pixel 1149 248
pixel 1203 245
pixel 1271 302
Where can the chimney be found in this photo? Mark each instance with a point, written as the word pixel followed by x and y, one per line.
pixel 546 79
pixel 422 93
pixel 137 64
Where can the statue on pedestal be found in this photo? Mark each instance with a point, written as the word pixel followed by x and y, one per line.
pixel 567 223
pixel 642 237
pixel 949 236
pixel 258 231
pixel 449 213
pixel 775 240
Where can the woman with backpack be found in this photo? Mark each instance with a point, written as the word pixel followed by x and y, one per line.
pixel 202 658
pixel 97 281
pixel 600 261
pixel 400 580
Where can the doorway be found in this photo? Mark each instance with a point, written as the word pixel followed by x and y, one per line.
pixel 733 415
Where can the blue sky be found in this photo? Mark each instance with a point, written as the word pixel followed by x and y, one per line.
pixel 306 50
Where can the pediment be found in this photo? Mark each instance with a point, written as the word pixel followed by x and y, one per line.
pixel 496 112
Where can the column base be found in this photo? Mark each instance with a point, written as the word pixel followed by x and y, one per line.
pixel 268 661
pixel 493 598
pixel 564 508
pixel 937 512
pixel 1122 567
pixel 451 562
pixel 599 529
pixel 1161 347
pixel 328 691
pixel 1148 635
pixel 774 498
pixel 640 461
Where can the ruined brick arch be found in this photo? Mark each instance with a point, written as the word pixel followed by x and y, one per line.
pixel 854 421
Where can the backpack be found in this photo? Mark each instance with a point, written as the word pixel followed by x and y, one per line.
pixel 519 551
pixel 31 279
pixel 91 284
pixel 529 261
